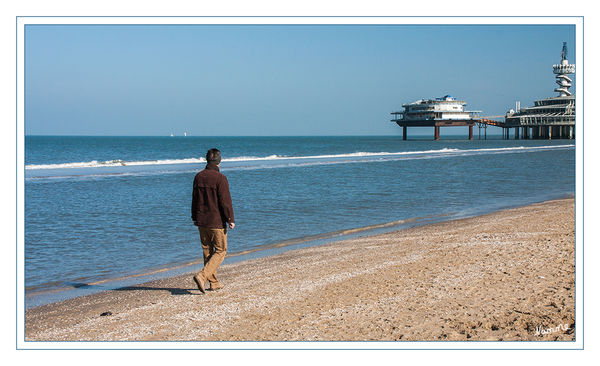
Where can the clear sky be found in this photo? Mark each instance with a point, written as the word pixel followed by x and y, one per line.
pixel 231 80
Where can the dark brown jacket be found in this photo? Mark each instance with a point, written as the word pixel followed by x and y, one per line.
pixel 211 200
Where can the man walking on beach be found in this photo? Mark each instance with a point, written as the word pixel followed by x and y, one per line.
pixel 212 212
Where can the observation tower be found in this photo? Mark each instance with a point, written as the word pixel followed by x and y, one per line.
pixel 562 70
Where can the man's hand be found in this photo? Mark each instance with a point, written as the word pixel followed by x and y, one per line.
pixel 231 225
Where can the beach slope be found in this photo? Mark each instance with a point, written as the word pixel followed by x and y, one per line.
pixel 509 276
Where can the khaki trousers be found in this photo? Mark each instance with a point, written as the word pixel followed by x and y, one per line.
pixel 214 248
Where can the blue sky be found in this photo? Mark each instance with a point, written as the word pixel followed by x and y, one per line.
pixel 231 80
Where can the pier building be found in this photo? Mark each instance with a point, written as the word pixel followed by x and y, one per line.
pixel 439 112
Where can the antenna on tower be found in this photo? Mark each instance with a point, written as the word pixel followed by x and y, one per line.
pixel 564 51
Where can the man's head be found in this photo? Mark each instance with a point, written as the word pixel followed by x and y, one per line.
pixel 213 156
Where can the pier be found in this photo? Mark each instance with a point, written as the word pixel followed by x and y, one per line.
pixel 528 130
pixel 550 118
pixel 531 131
pixel 436 124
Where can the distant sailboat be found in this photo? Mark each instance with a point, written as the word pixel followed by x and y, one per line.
pixel 185 134
pixel 171 134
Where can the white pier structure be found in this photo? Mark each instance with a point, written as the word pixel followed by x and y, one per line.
pixel 439 112
pixel 549 118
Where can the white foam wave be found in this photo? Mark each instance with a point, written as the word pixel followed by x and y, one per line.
pixel 442 152
pixel 113 163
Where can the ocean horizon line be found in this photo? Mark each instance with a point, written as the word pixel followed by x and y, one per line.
pixel 412 136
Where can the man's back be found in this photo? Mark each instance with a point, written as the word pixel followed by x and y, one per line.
pixel 211 200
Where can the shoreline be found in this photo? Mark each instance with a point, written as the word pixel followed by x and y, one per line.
pixel 41 297
pixel 399 277
pixel 242 255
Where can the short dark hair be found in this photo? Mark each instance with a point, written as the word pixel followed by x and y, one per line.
pixel 213 156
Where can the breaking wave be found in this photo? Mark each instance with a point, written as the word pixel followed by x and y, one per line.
pixel 274 158
pixel 119 168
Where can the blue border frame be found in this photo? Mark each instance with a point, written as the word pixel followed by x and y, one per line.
pixel 300 349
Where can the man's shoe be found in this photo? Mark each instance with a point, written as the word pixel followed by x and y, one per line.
pixel 200 280
pixel 215 286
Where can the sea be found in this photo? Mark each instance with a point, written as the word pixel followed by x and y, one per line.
pixel 106 212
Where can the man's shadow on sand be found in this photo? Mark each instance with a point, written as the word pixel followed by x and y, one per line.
pixel 173 291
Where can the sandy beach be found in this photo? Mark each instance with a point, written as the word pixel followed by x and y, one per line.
pixel 499 277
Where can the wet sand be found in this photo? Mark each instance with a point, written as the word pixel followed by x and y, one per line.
pixel 501 276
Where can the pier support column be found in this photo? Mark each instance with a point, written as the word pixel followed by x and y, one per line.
pixel 404 132
pixel 470 132
pixel 571 132
pixel 436 133
pixel 517 133
pixel 549 132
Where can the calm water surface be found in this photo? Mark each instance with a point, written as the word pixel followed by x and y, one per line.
pixel 103 207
